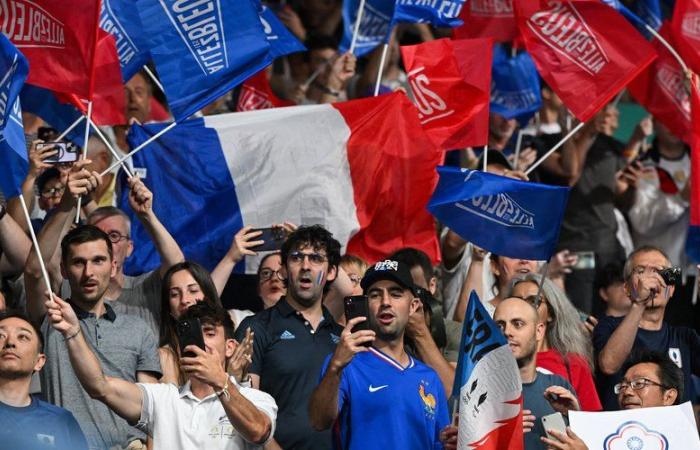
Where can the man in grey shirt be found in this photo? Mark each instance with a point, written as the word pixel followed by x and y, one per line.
pixel 124 344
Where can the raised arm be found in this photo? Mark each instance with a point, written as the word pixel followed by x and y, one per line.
pixel 14 244
pixel 241 246
pixel 122 397
pixel 141 202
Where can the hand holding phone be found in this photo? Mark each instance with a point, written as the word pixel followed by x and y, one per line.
pixel 65 152
pixel 554 422
pixel 189 332
pixel 357 306
pixel 272 237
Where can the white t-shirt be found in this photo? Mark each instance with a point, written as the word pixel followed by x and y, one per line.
pixel 176 419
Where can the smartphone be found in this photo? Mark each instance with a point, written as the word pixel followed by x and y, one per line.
pixel 554 422
pixel 273 238
pixel 357 306
pixel 189 332
pixel 65 152
pixel 586 260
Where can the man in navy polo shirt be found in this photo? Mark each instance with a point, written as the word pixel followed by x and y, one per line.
pixel 380 395
pixel 293 337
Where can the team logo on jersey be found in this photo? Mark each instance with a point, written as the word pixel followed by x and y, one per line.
pixel 287 335
pixel 429 402
pixel 335 338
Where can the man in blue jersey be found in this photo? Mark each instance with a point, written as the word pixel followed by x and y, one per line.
pixel 380 395
pixel 27 422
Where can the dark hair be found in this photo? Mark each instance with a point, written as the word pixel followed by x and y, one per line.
pixel 48 175
pixel 13 313
pixel 211 314
pixel 82 234
pixel 203 279
pixel 609 275
pixel 415 258
pixel 314 236
pixel 670 375
pixel 262 261
pixel 317 41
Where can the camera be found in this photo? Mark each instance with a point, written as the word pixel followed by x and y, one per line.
pixel 672 275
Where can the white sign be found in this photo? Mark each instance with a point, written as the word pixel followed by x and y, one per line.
pixel 666 428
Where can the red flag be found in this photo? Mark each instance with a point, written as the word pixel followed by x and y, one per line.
pixel 685 28
pixel 693 242
pixel 158 112
pixel 584 49
pixel 256 93
pixel 450 81
pixel 661 89
pixel 58 37
pixel 487 18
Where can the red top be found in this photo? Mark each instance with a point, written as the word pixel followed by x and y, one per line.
pixel 579 375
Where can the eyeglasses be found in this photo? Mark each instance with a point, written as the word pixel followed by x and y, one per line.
pixel 535 300
pixel 637 385
pixel 115 237
pixel 53 192
pixel 315 259
pixel 266 275
pixel 640 270
pixel 354 279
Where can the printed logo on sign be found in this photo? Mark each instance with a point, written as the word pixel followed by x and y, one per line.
pixel 672 81
pixel 635 436
pixel 563 29
pixel 5 84
pixel 513 100
pixel 430 105
pixel 691 25
pixel 27 25
pixel 200 25
pixel 374 26
pixel 501 209
pixel 492 8
pixel 126 49
pixel 252 99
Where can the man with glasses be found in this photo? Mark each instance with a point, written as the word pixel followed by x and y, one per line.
pixel 615 338
pixel 293 337
pixel 651 379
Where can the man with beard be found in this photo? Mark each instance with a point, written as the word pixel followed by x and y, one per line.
pixel 382 396
pixel 27 421
pixel 293 337
pixel 124 344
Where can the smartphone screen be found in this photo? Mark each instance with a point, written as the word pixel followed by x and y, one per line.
pixel 189 332
pixel 274 237
pixel 357 306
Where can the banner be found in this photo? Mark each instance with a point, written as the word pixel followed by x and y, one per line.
pixel 121 19
pixel 375 26
pixel 282 41
pixel 488 19
pixel 507 217
pixel 444 13
pixel 685 27
pixel 515 85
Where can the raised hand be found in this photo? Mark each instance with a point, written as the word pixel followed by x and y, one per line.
pixel 61 315
pixel 351 343
pixel 140 198
pixel 81 181
pixel 561 399
pixel 242 357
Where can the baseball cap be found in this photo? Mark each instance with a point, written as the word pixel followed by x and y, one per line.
pixel 388 270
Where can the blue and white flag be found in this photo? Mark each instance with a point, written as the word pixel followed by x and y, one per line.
pixel 487 384
pixel 121 19
pixel 202 49
pixel 444 13
pixel 282 41
pixel 43 103
pixel 375 27
pixel 508 217
pixel 13 150
pixel 515 85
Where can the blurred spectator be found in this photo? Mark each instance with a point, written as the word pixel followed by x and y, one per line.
pixel 611 289
pixel 29 423
pixel 566 347
pixel 329 73
pixel 101 159
pixel 14 245
pixel 355 267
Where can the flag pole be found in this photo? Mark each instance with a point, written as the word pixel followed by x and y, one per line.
pixel 381 69
pixel 109 146
pixel 518 144
pixel 70 128
pixel 84 155
pixel 131 153
pixel 555 148
pixel 668 46
pixel 356 30
pixel 486 157
pixel 44 273
pixel 317 72
pixel 153 78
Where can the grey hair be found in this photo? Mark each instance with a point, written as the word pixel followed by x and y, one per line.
pixel 627 270
pixel 104 212
pixel 564 333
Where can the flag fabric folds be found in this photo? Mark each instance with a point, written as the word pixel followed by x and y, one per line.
pixel 59 115
pixel 282 41
pixel 202 49
pixel 692 247
pixel 490 407
pixel 582 46
pixel 685 27
pixel 488 18
pixel 58 41
pixel 507 217
pixel 515 85
pixel 363 169
pixel 439 14
pixel 121 19
pixel 375 25
pixel 256 93
pixel 450 82
pixel 13 150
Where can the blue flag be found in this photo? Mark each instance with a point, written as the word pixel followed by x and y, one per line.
pixel 121 19
pixel 203 49
pixel 439 14
pixel 282 41
pixel 43 103
pixel 13 148
pixel 375 27
pixel 515 85
pixel 508 217
pixel 650 12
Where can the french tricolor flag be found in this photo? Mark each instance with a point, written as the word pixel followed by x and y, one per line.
pixel 363 169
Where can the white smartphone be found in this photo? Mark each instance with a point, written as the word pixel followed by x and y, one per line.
pixel 554 422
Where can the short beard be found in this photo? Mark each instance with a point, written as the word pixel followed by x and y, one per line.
pixel 15 374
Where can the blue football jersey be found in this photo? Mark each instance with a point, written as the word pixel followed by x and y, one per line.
pixel 383 405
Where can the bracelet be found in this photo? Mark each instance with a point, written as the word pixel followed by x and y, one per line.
pixel 326 89
pixel 224 391
pixel 73 335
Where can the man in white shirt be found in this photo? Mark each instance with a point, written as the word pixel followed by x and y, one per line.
pixel 210 411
